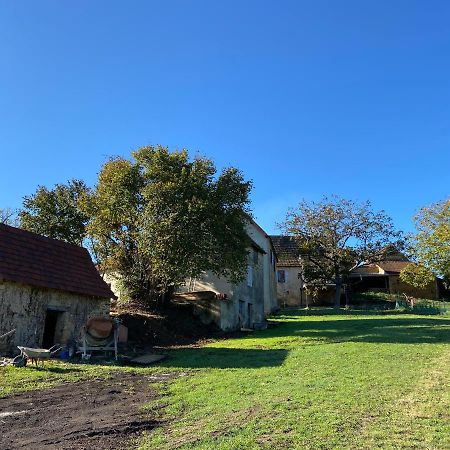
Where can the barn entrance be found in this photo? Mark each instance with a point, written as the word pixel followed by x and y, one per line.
pixel 242 318
pixel 51 321
pixel 249 315
pixel 245 314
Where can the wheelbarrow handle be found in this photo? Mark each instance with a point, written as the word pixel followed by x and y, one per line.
pixel 7 334
pixel 55 349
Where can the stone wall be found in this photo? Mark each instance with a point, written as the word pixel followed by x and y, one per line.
pixel 268 266
pixel 244 304
pixel 24 308
pixel 247 303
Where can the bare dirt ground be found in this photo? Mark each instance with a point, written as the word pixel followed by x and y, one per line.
pixel 90 414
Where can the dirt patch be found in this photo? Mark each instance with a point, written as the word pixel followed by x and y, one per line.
pixel 91 414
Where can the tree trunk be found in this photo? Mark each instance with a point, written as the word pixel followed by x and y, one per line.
pixel 337 299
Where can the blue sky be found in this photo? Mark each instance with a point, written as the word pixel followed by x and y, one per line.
pixel 306 97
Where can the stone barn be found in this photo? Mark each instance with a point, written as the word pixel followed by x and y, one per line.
pixel 48 289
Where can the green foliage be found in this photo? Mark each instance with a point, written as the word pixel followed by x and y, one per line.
pixel 337 235
pixel 161 217
pixel 55 213
pixel 417 275
pixel 419 305
pixel 430 246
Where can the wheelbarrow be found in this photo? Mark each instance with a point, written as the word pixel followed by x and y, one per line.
pixel 35 355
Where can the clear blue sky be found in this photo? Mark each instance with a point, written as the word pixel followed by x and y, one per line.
pixel 306 97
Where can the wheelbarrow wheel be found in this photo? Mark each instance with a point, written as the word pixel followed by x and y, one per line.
pixel 20 361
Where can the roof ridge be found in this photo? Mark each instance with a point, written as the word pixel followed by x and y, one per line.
pixel 33 259
pixel 19 231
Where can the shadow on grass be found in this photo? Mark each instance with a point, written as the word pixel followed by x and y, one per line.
pixel 436 309
pixel 371 329
pixel 225 358
pixel 52 369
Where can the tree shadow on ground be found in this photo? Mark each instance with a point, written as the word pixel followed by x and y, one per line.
pixel 378 329
pixel 431 310
pixel 225 358
pixel 52 369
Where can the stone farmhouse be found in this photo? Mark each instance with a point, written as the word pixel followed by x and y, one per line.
pixel 243 305
pixel 291 288
pixel 48 289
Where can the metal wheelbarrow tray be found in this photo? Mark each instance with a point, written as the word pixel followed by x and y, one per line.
pixel 35 354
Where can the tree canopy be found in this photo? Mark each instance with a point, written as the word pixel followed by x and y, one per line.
pixel 161 217
pixel 336 235
pixel 430 246
pixel 55 213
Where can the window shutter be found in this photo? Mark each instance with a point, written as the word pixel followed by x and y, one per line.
pixel 249 276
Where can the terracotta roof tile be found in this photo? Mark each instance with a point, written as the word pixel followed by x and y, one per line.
pixel 33 259
pixel 287 250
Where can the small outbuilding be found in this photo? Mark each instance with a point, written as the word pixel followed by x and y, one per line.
pixel 48 289
pixel 384 276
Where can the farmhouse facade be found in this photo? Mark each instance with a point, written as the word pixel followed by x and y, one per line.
pixel 291 288
pixel 242 305
pixel 48 289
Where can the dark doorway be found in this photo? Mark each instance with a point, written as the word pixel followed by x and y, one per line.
pixel 249 315
pixel 242 318
pixel 51 320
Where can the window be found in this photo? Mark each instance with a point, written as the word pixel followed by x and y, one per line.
pixel 281 276
pixel 255 257
pixel 249 276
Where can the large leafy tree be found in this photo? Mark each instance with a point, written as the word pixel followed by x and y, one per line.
pixel 336 235
pixel 430 246
pixel 162 217
pixel 56 213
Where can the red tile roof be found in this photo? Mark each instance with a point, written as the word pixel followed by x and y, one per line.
pixel 35 260
pixel 287 250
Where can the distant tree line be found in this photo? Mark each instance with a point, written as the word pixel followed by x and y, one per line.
pixel 159 217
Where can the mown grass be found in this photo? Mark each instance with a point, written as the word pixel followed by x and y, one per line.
pixel 317 381
pixel 14 380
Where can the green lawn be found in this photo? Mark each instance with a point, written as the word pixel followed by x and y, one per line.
pixel 15 380
pixel 316 381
